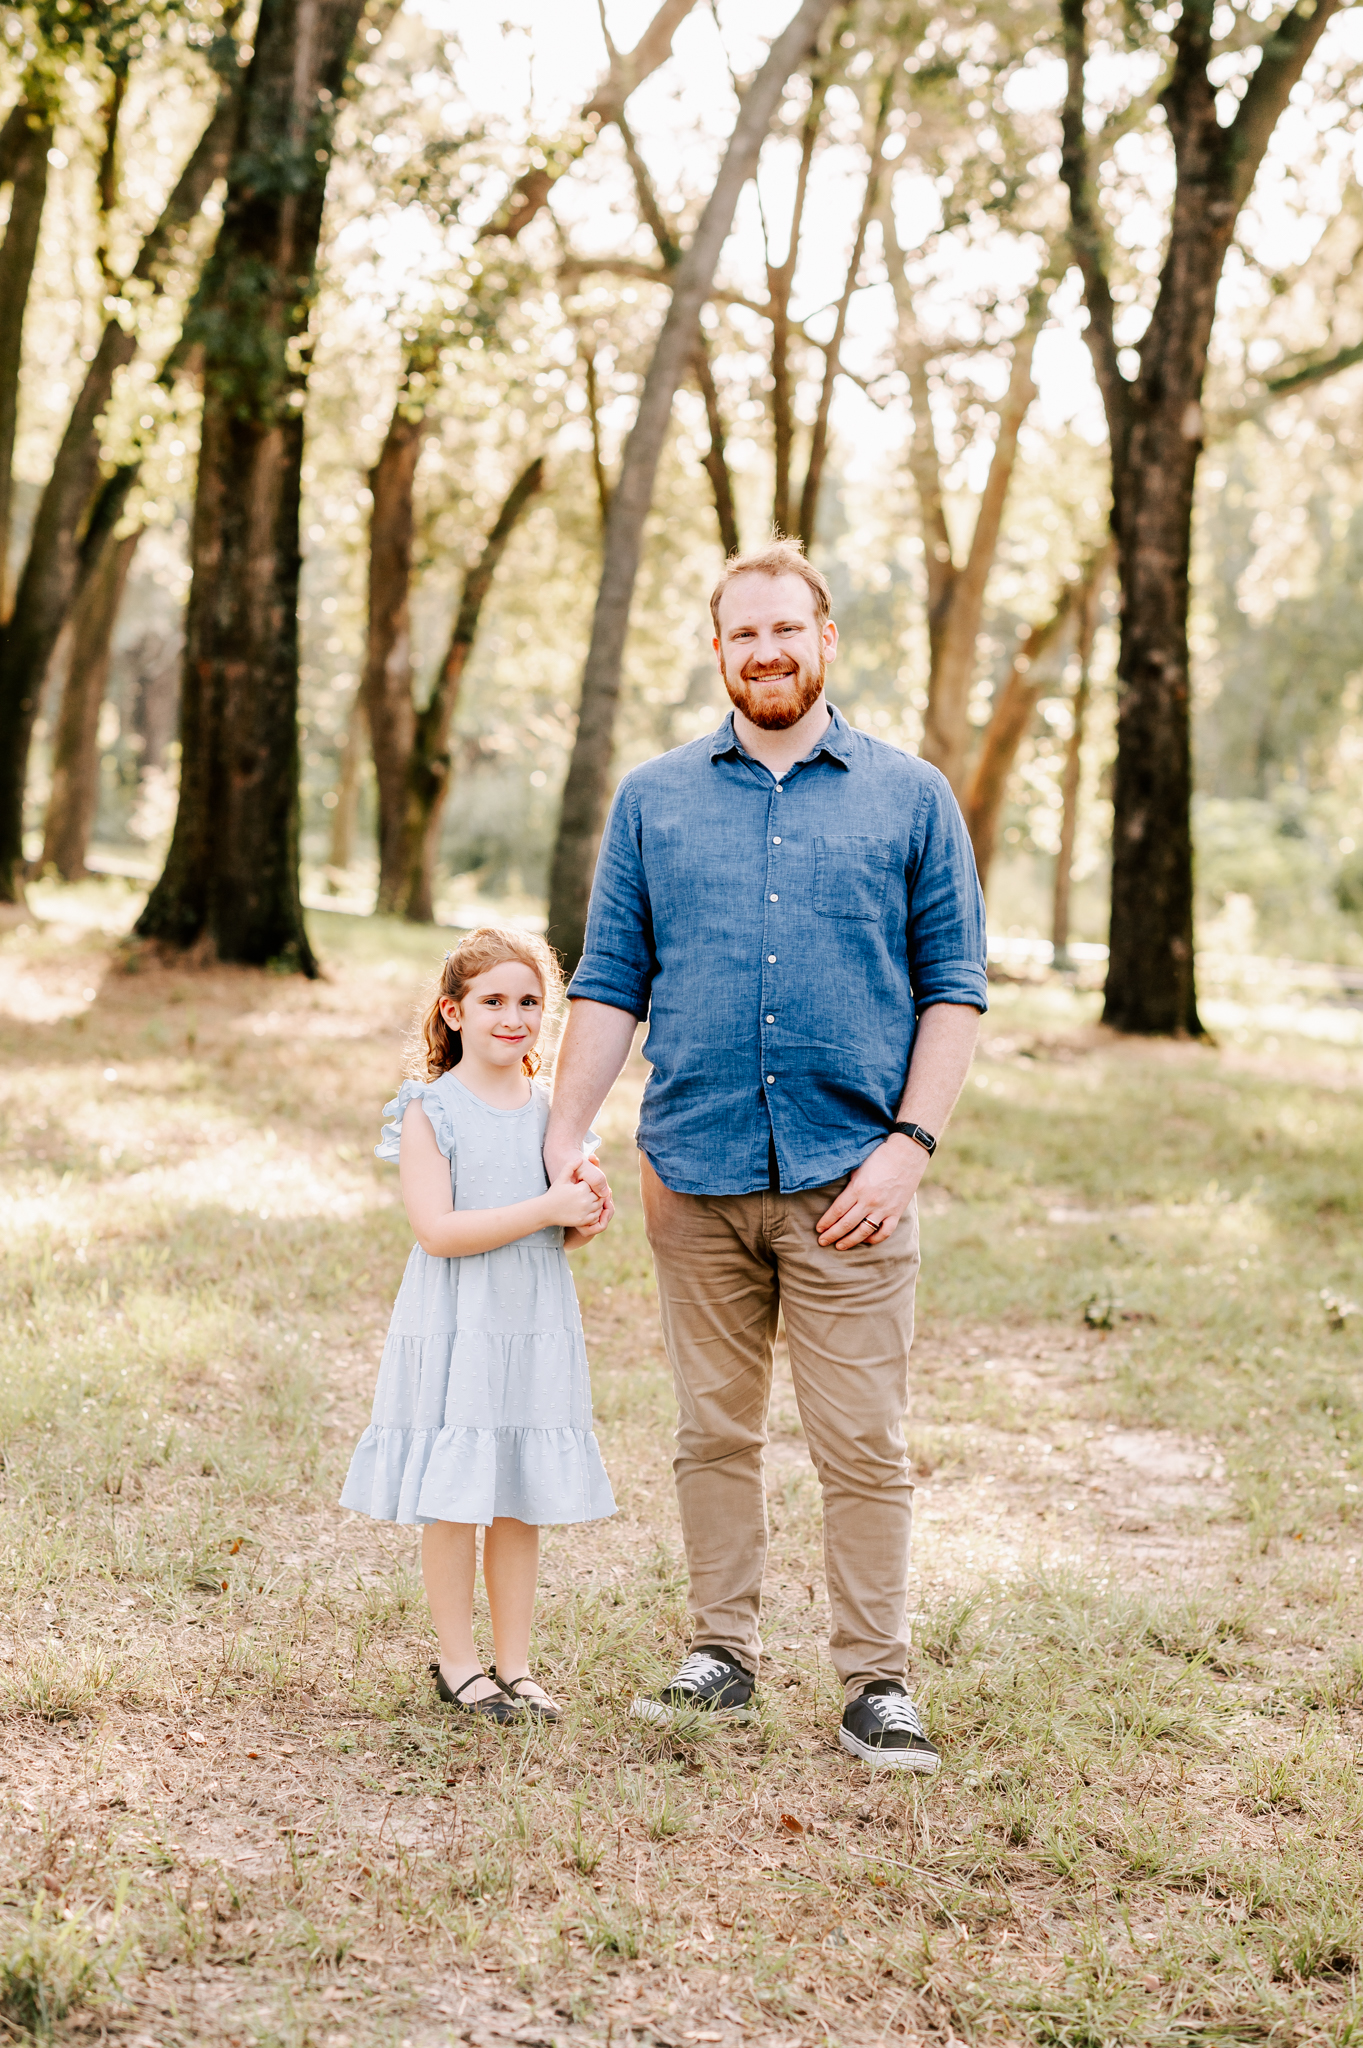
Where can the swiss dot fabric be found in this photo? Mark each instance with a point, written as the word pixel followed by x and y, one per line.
pixel 483 1405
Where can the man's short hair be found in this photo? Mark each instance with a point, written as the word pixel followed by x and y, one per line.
pixel 781 558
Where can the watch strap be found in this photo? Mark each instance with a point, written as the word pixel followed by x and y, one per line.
pixel 918 1134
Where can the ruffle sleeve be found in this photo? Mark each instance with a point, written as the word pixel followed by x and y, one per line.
pixel 437 1113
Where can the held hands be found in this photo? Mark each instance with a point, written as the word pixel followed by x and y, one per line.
pixel 579 1198
pixel 870 1206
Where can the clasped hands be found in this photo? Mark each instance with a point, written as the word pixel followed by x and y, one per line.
pixel 589 1206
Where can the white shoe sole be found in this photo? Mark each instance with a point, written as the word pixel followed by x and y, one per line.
pixel 925 1762
pixel 644 1709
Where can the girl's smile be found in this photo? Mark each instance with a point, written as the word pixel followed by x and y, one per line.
pixel 498 1018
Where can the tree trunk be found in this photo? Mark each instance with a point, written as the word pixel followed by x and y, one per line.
pixel 231 876
pixel 818 440
pixel 18 254
pixel 343 818
pixel 716 458
pixel 780 284
pixel 74 800
pixel 946 724
pixel 1069 781
pixel 602 481
pixel 1155 425
pixel 584 796
pixel 52 569
pixel 428 774
pixel 1017 701
pixel 386 684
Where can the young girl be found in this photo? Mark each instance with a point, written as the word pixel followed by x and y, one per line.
pixel 483 1412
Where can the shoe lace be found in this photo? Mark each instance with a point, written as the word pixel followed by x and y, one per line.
pixel 698 1669
pixel 896 1713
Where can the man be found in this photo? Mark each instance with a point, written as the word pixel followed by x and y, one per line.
pixel 794 907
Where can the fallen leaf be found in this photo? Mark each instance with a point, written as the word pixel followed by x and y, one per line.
pixel 705 2037
pixel 797 1827
pixel 195 1737
pixel 253 1752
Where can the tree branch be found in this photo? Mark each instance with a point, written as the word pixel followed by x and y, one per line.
pixel 530 191
pixel 1286 50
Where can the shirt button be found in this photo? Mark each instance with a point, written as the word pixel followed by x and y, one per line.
pixel 776 841
pixel 771 1020
pixel 771 959
pixel 779 790
pixel 775 899
pixel 770 1079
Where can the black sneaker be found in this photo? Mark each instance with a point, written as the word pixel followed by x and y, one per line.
pixel 710 1682
pixel 882 1727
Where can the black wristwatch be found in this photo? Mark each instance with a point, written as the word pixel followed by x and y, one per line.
pixel 918 1134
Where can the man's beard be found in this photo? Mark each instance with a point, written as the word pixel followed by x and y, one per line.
pixel 774 708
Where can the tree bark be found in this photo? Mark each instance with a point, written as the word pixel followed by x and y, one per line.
pixel 18 254
pixel 231 876
pixel 584 796
pixel 52 568
pixel 1069 781
pixel 74 801
pixel 1156 429
pixel 1022 690
pixel 428 772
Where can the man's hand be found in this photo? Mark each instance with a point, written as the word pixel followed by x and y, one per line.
pixel 870 1206
pixel 592 1173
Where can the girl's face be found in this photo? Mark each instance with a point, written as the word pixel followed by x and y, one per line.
pixel 499 1015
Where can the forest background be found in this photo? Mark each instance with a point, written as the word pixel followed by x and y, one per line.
pixel 895 367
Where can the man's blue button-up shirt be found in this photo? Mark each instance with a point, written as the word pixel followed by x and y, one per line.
pixel 780 937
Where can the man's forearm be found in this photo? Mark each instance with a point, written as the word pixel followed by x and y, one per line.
pixel 942 1051
pixel 596 1043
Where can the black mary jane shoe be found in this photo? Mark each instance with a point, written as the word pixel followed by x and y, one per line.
pixel 499 1706
pixel 539 1710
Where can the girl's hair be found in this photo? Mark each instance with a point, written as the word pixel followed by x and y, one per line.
pixel 487 947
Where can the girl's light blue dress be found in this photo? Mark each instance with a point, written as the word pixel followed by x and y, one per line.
pixel 484 1404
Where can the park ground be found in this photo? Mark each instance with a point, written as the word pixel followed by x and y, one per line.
pixel 231 1811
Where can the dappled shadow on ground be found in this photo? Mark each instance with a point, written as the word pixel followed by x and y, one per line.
pixel 1137 1433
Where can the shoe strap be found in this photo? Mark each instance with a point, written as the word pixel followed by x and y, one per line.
pixel 473 1680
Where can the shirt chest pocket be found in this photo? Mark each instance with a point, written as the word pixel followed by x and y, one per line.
pixel 851 877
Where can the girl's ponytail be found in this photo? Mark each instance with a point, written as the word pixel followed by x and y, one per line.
pixel 441 1044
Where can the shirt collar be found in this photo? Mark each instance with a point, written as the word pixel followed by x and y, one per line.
pixel 836 741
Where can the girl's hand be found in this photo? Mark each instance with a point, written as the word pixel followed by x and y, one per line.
pixel 571 1202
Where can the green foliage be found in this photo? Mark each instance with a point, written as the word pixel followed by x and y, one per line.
pixel 47 1968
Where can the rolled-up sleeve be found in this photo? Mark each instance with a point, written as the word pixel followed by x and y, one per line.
pixel 947 945
pixel 618 961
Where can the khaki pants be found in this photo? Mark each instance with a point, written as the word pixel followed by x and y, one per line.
pixel 726 1264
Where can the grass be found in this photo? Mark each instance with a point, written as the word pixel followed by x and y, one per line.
pixel 230 1811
